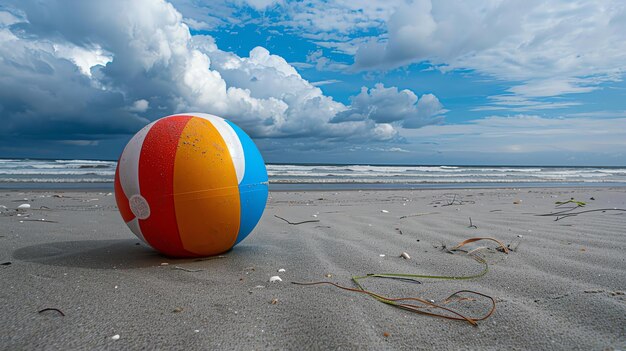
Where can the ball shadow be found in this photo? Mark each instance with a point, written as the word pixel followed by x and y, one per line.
pixel 93 254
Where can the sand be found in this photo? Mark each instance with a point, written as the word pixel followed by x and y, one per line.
pixel 563 288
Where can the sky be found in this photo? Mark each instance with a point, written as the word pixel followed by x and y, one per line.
pixel 372 82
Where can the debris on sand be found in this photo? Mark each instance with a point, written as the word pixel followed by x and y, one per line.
pixel 296 223
pixel 52 309
pixel 187 269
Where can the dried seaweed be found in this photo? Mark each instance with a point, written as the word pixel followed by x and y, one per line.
pixel 39 220
pixel 52 309
pixel 565 214
pixel 456 200
pixel 296 223
pixel 472 224
pixel 418 214
pixel 187 269
pixel 427 307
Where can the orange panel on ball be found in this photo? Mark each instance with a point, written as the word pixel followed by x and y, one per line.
pixel 205 184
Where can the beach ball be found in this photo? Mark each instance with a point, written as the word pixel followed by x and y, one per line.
pixel 191 184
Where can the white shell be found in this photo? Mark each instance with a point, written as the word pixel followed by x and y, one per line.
pixel 23 207
pixel 281 270
pixel 115 337
pixel 384 211
pixel 275 279
pixel 405 256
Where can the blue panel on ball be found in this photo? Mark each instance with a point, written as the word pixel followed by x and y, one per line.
pixel 253 186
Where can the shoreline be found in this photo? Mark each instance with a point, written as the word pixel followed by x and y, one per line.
pixel 562 288
pixel 281 187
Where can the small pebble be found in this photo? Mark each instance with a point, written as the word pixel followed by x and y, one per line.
pixel 177 309
pixel 274 301
pixel 281 270
pixel 384 211
pixel 382 255
pixel 164 264
pixel 328 275
pixel 115 337
pixel 23 207
pixel 275 279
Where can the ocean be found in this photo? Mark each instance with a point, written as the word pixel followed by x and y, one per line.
pixel 78 174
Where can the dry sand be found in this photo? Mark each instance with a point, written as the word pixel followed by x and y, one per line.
pixel 561 289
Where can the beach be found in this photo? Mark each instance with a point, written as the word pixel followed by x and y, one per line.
pixel 561 287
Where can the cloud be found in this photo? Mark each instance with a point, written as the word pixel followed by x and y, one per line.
pixel 388 105
pixel 81 69
pixel 261 4
pixel 344 16
pixel 325 82
pixel 545 48
pixel 440 32
pixel 323 63
pixel 574 49
pixel 139 106
pixel 44 91
pixel 517 103
pixel 209 15
pixel 528 134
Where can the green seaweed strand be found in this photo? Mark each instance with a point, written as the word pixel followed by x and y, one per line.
pixel 356 279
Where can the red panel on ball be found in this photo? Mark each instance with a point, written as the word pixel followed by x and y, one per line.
pixel 156 176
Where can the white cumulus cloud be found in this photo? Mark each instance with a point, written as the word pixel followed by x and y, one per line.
pixel 84 57
pixel 388 105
